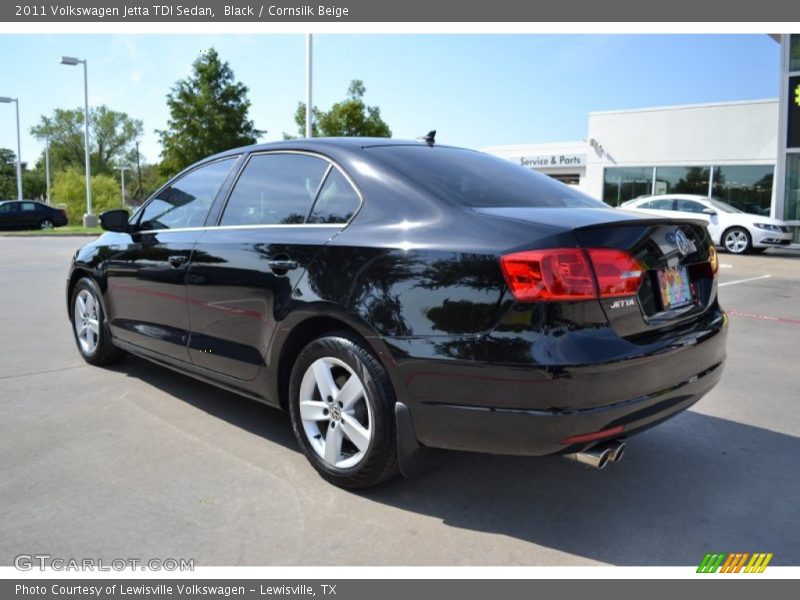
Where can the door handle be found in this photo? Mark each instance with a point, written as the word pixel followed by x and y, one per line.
pixel 282 264
pixel 178 260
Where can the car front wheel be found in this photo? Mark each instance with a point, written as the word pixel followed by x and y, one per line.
pixel 737 241
pixel 342 409
pixel 90 327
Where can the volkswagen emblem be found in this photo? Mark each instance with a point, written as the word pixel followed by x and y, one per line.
pixel 682 242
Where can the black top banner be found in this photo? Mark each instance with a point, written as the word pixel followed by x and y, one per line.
pixel 463 11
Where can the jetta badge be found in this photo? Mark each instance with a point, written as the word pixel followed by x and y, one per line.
pixel 682 242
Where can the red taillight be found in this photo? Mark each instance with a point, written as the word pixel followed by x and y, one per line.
pixel 618 273
pixel 562 274
pixel 571 274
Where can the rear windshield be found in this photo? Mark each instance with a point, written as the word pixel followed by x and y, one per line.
pixel 479 180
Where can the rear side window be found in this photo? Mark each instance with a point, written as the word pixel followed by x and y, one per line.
pixel 337 200
pixel 186 201
pixel 28 207
pixel 275 189
pixel 659 204
pixel 690 206
pixel 478 180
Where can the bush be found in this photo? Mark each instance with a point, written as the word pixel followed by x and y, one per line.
pixel 69 188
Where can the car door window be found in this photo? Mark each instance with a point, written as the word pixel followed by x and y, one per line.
pixel 275 189
pixel 186 201
pixel 337 200
pixel 690 206
pixel 8 208
pixel 28 207
pixel 660 204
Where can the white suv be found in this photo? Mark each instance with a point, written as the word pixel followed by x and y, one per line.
pixel 736 231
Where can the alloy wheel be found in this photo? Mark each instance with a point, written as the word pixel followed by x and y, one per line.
pixel 736 241
pixel 86 321
pixel 46 224
pixel 335 412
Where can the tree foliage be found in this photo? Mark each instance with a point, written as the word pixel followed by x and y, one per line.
pixel 351 117
pixel 69 189
pixel 208 114
pixel 112 138
pixel 33 181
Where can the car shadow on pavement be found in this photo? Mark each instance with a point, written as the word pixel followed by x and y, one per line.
pixel 692 485
pixel 249 415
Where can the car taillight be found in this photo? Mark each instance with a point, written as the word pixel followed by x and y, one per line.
pixel 571 274
pixel 618 273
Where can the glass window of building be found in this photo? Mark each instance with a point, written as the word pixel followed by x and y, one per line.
pixel 682 180
pixel 791 207
pixel 747 187
pixel 621 184
pixel 794 53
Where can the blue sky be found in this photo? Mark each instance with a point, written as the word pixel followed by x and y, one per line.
pixel 476 90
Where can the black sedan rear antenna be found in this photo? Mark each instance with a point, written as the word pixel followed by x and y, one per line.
pixel 429 139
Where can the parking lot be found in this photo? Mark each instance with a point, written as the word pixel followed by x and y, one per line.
pixel 137 461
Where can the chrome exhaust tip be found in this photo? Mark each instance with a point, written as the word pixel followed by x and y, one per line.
pixel 594 457
pixel 599 455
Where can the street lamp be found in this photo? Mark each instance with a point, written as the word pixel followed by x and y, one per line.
pixel 89 220
pixel 6 100
pixel 309 108
pixel 47 164
pixel 122 183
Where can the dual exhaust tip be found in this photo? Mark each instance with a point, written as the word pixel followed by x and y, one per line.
pixel 599 455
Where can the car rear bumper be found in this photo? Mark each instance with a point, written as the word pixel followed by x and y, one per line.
pixel 497 409
pixel 537 432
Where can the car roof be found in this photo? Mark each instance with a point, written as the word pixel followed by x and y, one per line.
pixel 674 197
pixel 323 143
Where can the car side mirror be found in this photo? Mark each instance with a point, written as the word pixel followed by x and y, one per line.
pixel 709 211
pixel 115 220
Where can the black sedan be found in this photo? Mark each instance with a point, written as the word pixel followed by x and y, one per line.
pixel 29 214
pixel 398 297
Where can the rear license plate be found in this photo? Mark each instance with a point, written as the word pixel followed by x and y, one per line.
pixel 675 288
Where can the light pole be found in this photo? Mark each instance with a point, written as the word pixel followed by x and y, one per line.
pixel 309 127
pixel 89 220
pixel 47 165
pixel 122 183
pixel 6 100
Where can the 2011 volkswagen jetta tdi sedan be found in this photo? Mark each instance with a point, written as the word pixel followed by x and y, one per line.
pixel 400 296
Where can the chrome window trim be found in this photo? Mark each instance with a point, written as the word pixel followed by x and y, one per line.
pixel 234 227
pixel 331 163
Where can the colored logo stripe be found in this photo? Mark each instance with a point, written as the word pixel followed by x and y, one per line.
pixel 733 562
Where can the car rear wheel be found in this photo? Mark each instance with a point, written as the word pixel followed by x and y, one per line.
pixel 737 241
pixel 89 325
pixel 342 409
pixel 46 224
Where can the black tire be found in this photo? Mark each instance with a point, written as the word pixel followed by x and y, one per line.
pixel 742 234
pixel 379 461
pixel 104 353
pixel 46 224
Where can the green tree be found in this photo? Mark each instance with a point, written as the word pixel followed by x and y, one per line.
pixel 69 189
pixel 112 136
pixel 350 117
pixel 208 114
pixel 33 181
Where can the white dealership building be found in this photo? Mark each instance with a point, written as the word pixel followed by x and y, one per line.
pixel 726 149
pixel 747 153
